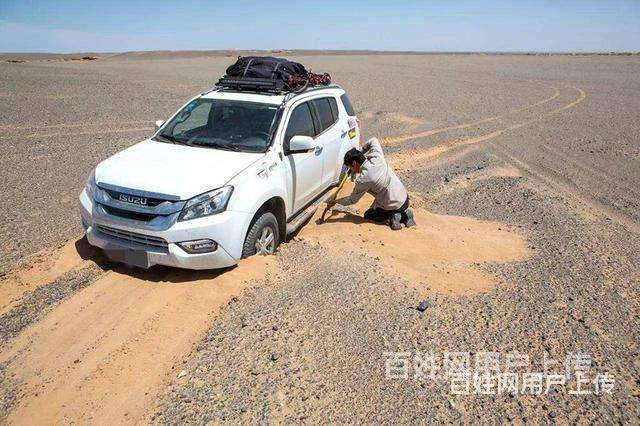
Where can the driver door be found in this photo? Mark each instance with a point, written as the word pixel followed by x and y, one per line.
pixel 305 168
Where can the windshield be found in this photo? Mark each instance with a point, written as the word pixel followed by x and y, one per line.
pixel 222 124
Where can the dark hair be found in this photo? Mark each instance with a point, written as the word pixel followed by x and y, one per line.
pixel 354 155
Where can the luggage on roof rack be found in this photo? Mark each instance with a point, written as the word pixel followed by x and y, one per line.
pixel 269 74
pixel 266 67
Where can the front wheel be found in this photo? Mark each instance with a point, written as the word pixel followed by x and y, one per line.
pixel 263 236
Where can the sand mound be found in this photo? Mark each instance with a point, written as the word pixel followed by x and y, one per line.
pixel 439 254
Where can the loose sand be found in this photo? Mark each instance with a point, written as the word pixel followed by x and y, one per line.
pixel 437 255
pixel 106 351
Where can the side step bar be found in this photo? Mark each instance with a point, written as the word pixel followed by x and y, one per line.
pixel 305 214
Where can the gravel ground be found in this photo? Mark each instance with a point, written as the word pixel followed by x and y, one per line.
pixel 309 345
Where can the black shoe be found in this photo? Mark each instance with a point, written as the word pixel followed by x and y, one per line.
pixel 394 221
pixel 379 219
pixel 370 214
pixel 408 218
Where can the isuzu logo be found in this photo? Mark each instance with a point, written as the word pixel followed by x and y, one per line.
pixel 133 199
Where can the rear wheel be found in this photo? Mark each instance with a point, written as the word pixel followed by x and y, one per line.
pixel 263 236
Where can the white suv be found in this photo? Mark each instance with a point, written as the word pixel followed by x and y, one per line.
pixel 228 176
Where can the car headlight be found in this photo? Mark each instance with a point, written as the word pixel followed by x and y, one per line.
pixel 90 187
pixel 207 204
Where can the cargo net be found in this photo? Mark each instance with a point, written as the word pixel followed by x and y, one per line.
pixel 297 83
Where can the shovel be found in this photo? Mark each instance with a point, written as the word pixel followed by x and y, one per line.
pixel 334 196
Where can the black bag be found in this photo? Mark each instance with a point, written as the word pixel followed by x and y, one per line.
pixel 266 67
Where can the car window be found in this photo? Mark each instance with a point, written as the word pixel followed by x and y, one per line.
pixel 193 116
pixel 325 116
pixel 347 105
pixel 300 123
pixel 334 108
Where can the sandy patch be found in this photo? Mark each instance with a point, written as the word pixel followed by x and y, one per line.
pixel 104 353
pixel 38 270
pixel 392 117
pixel 438 255
pixel 406 160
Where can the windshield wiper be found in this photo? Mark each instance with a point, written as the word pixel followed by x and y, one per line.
pixel 215 145
pixel 169 138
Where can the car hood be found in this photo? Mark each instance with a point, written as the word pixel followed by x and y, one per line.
pixel 178 170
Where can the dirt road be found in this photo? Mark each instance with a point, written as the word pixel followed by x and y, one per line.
pixel 524 174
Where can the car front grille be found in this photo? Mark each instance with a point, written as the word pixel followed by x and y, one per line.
pixel 133 237
pixel 129 214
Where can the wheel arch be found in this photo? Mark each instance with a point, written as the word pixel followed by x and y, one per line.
pixel 275 205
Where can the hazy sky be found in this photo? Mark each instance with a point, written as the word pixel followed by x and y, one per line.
pixel 518 25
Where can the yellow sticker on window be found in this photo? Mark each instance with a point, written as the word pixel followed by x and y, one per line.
pixel 352 133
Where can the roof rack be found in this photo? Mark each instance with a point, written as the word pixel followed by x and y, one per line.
pixel 268 85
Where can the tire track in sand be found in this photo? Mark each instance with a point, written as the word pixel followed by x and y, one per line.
pixel 565 188
pixel 403 138
pixel 43 268
pixel 102 354
pixel 408 158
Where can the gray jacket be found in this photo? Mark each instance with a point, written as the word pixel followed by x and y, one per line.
pixel 378 179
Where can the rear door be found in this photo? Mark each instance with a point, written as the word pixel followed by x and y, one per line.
pixel 329 137
pixel 305 168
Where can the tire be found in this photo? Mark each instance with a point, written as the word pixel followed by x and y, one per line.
pixel 265 224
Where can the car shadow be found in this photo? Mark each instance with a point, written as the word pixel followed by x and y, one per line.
pixel 157 273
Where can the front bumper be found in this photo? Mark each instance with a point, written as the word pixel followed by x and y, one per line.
pixel 227 229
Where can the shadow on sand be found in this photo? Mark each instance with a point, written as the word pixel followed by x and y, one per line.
pixel 157 273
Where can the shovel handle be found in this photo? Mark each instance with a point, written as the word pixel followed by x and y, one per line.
pixel 334 196
pixel 340 185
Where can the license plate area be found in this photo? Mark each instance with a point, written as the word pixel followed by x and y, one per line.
pixel 138 258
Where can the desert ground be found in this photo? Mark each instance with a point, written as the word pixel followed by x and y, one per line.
pixel 524 172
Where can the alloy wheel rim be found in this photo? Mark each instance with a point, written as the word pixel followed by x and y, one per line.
pixel 266 242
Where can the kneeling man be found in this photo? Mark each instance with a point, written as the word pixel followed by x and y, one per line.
pixel 375 176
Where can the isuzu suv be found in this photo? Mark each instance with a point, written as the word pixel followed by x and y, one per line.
pixel 229 175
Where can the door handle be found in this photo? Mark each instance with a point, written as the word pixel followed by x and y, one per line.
pixel 344 134
pixel 318 149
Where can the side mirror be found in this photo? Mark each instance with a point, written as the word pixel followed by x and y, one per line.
pixel 159 124
pixel 299 144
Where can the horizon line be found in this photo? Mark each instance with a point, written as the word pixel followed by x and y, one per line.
pixel 294 51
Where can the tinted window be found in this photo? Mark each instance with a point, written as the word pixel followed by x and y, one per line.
pixel 347 105
pixel 325 116
pixel 300 123
pixel 334 108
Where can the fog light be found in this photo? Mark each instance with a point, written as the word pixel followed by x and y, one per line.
pixel 199 246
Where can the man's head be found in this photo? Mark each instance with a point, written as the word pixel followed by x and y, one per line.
pixel 354 159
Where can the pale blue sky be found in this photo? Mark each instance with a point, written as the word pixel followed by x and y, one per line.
pixel 517 25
